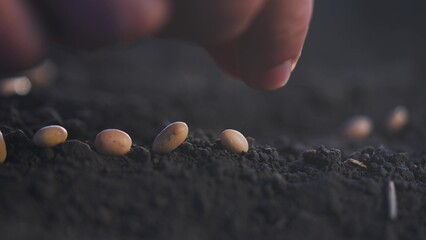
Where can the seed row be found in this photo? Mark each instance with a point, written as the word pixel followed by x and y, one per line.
pixel 114 142
pixel 360 127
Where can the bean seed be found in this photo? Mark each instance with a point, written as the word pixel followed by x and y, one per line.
pixel 50 136
pixel 392 201
pixel 113 142
pixel 42 74
pixel 15 86
pixel 358 128
pixel 397 119
pixel 3 151
pixel 234 141
pixel 355 162
pixel 170 138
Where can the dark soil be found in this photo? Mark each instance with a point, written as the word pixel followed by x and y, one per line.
pixel 294 183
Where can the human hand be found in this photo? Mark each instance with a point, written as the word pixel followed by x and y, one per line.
pixel 257 41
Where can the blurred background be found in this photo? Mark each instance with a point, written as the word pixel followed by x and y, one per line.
pixel 361 57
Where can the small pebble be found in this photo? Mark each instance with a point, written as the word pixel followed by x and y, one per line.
pixel 170 137
pixel 50 136
pixel 3 151
pixel 113 142
pixel 358 128
pixel 234 141
pixel 397 119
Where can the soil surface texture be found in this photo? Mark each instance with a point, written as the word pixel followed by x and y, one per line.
pixel 296 182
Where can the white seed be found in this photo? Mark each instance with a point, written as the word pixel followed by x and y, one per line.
pixel 392 201
pixel 234 141
pixel 356 162
pixel 15 86
pixel 358 128
pixel 3 151
pixel 113 142
pixel 50 136
pixel 397 119
pixel 170 138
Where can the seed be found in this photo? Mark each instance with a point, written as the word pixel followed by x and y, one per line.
pixel 358 127
pixel 234 141
pixel 113 142
pixel 397 119
pixel 170 138
pixel 42 74
pixel 15 86
pixel 50 136
pixel 392 201
pixel 355 162
pixel 3 151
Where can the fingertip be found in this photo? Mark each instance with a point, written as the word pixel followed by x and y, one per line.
pixel 274 39
pixel 271 79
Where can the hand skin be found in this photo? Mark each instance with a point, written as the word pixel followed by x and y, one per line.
pixel 257 41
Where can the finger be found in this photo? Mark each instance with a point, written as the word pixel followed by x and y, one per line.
pixel 225 57
pixel 20 42
pixel 97 23
pixel 271 47
pixel 212 21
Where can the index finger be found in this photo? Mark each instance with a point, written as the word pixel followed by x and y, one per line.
pixel 268 51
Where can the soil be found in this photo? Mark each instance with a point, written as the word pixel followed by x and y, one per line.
pixel 294 183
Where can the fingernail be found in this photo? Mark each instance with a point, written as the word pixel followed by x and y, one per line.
pixel 293 64
pixel 294 61
pixel 276 77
